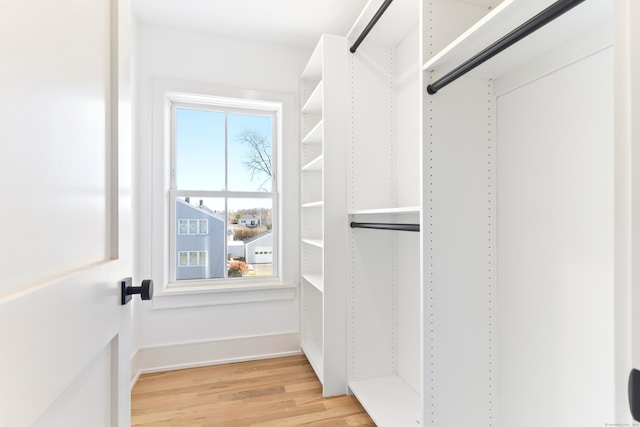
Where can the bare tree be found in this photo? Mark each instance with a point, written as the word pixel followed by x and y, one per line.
pixel 259 158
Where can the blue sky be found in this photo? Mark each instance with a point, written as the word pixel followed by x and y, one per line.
pixel 200 162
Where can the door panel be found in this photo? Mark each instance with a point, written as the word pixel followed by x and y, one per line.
pixel 65 219
pixel 55 79
pixel 78 405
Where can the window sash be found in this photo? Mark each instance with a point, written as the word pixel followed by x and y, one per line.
pixel 173 255
pixel 175 105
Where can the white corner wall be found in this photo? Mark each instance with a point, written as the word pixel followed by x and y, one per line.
pixel 182 337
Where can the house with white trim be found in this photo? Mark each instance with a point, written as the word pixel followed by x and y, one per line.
pixel 259 249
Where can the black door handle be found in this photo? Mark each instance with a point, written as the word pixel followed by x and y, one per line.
pixel 634 394
pixel 127 290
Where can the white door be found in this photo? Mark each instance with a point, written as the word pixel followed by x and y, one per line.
pixel 65 221
pixel 628 167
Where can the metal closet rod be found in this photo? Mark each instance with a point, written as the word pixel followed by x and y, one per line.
pixel 386 226
pixel 370 25
pixel 540 20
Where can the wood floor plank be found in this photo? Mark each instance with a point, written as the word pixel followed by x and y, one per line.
pixel 272 392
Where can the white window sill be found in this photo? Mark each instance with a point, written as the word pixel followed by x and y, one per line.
pixel 200 295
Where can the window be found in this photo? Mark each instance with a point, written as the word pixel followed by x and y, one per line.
pixel 193 226
pixel 192 258
pixel 222 191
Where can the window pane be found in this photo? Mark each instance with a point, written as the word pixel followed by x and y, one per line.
pixel 199 150
pixel 193 258
pixel 182 259
pixel 204 256
pixel 203 227
pixel 183 226
pixel 249 152
pixel 251 247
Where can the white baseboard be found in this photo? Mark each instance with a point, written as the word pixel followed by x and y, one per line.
pixel 170 357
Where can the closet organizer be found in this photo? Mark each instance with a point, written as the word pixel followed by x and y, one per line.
pixel 519 248
pixel 490 130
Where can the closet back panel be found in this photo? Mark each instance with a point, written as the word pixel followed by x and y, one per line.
pixel 312 223
pixel 555 247
pixel 373 305
pixel 313 334
pixel 408 348
pixel 459 249
pixel 371 141
pixel 407 125
pixel 440 31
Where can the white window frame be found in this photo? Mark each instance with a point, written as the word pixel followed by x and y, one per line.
pixel 226 194
pixel 239 290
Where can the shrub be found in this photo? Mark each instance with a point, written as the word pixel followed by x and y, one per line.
pixel 237 269
pixel 242 233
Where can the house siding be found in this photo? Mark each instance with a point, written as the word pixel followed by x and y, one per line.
pixel 212 242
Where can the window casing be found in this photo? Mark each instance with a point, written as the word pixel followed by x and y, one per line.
pixel 155 258
pixel 223 197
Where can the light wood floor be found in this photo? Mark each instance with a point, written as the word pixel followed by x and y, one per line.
pixel 272 392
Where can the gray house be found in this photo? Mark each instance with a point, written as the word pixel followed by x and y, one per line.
pixel 199 242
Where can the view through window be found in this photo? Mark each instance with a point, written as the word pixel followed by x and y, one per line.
pixel 222 193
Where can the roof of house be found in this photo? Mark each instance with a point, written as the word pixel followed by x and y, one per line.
pixel 257 237
pixel 205 210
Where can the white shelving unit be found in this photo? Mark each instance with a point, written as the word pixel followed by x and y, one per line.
pixel 322 117
pixel 518 175
pixel 501 169
pixel 384 181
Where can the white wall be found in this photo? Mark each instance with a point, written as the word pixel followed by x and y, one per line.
pixel 207 333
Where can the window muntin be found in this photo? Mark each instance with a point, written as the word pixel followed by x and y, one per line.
pixel 241 185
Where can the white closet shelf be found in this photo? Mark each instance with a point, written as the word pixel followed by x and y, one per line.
pixel 313 242
pixel 313 204
pixel 314 165
pixel 388 400
pixel 315 135
pixel 314 103
pixel 503 19
pixel 315 280
pixel 400 210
